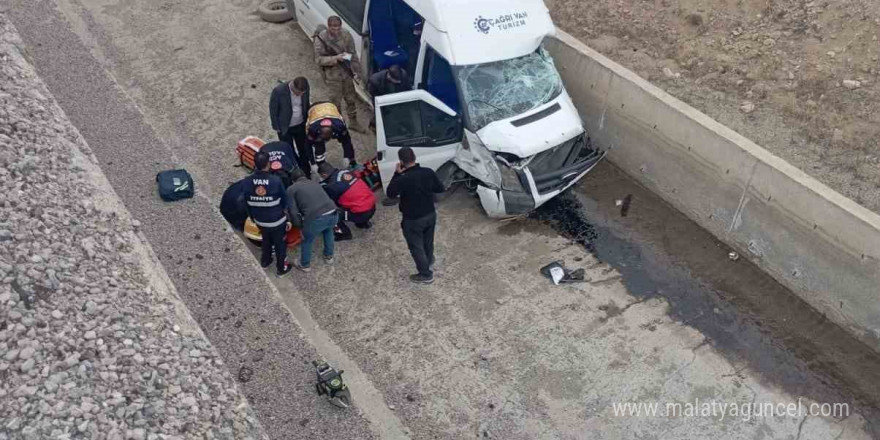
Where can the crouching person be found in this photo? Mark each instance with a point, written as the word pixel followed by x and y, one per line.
pixel 312 210
pixel 323 125
pixel 355 199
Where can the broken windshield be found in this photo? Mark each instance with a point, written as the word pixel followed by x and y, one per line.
pixel 503 89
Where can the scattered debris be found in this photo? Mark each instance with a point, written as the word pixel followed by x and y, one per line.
pixel 624 205
pixel 330 384
pixel 851 84
pixel 747 107
pixel 733 256
pixel 554 271
pixel 558 273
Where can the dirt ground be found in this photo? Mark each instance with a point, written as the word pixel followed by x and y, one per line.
pixel 798 77
pixel 491 349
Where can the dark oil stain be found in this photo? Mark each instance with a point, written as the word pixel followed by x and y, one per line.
pixel 516 226
pixel 624 207
pixel 611 310
pixel 812 357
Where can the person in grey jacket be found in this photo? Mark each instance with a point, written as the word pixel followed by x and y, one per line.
pixel 313 211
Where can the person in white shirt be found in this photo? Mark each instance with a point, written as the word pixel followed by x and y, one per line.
pixel 288 108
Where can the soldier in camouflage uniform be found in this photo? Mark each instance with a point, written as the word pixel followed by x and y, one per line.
pixel 335 54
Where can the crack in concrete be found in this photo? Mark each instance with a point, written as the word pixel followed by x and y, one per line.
pixel 742 201
pixel 626 307
pixel 754 393
pixel 693 359
pixel 801 427
pixel 736 372
pixel 607 281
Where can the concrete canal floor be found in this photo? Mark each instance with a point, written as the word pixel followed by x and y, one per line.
pixel 491 349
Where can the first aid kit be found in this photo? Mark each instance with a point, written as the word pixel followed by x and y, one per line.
pixel 175 185
pixel 246 149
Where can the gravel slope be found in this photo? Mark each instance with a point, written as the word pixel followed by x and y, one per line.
pixel 213 271
pixel 93 343
pixel 798 77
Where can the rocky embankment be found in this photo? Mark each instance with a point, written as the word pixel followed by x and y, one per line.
pixel 94 343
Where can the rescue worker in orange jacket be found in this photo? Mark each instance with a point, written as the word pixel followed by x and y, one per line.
pixel 355 199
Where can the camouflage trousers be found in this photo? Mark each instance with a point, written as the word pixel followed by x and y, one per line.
pixel 344 91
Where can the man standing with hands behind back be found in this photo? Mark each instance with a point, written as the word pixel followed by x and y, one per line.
pixel 416 187
pixel 335 54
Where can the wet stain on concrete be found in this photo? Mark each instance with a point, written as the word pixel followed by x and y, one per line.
pixel 517 226
pixel 611 310
pixel 745 314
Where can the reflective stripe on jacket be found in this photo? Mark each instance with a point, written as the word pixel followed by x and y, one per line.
pixel 266 199
pixel 349 192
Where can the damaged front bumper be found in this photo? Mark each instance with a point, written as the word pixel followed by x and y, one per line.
pixel 541 181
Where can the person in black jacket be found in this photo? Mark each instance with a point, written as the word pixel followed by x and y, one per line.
pixel 282 160
pixel 233 205
pixel 416 187
pixel 391 80
pixel 385 82
pixel 288 110
pixel 267 206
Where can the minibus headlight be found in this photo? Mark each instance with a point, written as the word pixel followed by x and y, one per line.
pixel 509 178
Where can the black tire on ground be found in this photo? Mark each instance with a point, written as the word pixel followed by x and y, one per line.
pixel 448 174
pixel 274 11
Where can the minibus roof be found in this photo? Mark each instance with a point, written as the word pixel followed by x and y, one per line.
pixel 481 31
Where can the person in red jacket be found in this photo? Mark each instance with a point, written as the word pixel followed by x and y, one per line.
pixel 353 197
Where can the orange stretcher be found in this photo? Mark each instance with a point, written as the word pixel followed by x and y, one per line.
pixel 252 232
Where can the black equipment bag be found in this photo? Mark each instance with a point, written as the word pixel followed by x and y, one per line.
pixel 175 185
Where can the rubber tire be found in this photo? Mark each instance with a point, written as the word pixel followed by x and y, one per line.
pixel 274 11
pixel 446 173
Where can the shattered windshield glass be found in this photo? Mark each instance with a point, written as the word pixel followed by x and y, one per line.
pixel 500 90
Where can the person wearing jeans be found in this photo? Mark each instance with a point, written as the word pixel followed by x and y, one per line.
pixel 312 210
pixel 354 198
pixel 323 226
pixel 416 187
